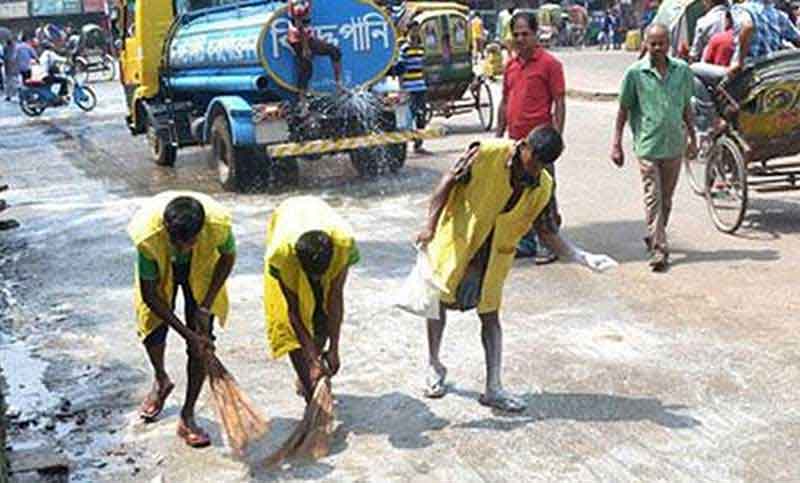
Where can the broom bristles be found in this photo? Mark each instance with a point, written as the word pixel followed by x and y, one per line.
pixel 240 419
pixel 311 436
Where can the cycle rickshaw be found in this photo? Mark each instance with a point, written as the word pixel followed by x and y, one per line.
pixel 746 126
pixel 453 86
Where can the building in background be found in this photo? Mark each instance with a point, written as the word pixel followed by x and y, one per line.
pixel 26 15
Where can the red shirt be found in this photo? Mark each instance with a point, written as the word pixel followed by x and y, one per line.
pixel 530 87
pixel 720 48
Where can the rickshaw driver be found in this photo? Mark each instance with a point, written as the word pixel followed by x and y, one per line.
pixel 760 29
pixel 306 45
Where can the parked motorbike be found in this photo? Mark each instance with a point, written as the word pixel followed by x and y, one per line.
pixel 35 96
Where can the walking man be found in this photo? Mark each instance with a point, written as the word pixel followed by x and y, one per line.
pixel 655 95
pixel 533 96
pixel 26 55
pixel 478 213
pixel 11 68
pixel 412 77
pixel 182 239
pixel 310 249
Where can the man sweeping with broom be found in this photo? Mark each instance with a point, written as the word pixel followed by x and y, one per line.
pixel 183 239
pixel 309 250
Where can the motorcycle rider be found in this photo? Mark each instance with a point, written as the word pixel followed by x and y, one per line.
pixel 49 60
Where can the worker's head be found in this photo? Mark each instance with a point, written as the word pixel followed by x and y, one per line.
pixel 657 40
pixel 542 147
pixel 314 250
pixel 523 31
pixel 184 218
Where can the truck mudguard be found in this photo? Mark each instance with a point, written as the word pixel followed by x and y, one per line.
pixel 240 119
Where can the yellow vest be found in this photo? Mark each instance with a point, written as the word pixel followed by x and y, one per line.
pixel 292 219
pixel 150 236
pixel 472 210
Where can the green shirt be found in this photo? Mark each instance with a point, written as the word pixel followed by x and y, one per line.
pixel 656 106
pixel 148 268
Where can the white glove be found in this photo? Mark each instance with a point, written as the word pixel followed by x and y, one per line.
pixel 596 262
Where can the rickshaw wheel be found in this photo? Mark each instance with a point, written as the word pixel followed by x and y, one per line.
pixel 696 168
pixel 726 185
pixel 484 104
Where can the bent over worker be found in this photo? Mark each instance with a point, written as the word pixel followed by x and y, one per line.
pixel 480 210
pixel 182 239
pixel 309 251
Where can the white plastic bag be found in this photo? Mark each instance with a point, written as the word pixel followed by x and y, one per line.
pixel 419 294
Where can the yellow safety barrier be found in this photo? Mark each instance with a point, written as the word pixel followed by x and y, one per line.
pixel 334 145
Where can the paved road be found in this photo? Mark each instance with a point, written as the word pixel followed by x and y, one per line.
pixel 630 376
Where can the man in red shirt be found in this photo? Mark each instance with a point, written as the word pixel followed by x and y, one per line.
pixel 533 95
pixel 721 46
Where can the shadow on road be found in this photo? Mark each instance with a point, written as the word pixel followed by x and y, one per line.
pixel 403 419
pixel 772 217
pixel 582 407
pixel 625 248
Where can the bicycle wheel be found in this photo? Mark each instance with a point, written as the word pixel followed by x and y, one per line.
pixel 484 104
pixel 726 185
pixel 85 98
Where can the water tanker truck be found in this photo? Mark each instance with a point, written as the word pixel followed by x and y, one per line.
pixel 225 76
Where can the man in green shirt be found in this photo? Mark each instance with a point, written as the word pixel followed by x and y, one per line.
pixel 655 95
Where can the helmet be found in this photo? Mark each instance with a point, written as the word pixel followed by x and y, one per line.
pixel 299 9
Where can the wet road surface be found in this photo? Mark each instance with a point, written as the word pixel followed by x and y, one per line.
pixel 629 375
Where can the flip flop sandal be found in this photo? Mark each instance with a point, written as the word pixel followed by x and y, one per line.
pixel 508 404
pixel 155 406
pixel 194 439
pixel 436 388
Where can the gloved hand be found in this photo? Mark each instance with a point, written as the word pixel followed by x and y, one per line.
pixel 596 262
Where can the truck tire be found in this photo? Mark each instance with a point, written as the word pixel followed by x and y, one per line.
pixel 238 168
pixel 397 156
pixel 367 161
pixel 283 172
pixel 163 152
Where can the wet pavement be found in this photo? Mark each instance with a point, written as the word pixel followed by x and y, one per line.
pixel 629 375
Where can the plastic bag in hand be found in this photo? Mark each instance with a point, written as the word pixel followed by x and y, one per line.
pixel 419 294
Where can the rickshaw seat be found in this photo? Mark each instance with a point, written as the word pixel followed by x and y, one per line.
pixel 33 83
pixel 710 74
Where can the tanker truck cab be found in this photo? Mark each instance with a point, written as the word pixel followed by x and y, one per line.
pixel 224 75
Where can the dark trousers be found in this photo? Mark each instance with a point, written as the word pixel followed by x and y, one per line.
pixel 181 280
pixel 26 75
pixel 418 111
pixel 304 64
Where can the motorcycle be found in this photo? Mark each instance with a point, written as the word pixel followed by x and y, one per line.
pixel 35 96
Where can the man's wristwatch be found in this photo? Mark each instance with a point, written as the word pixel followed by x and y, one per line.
pixel 203 310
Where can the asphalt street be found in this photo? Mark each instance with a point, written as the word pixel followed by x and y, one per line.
pixel 690 375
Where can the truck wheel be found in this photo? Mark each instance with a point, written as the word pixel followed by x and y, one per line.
pixel 283 172
pixel 163 152
pixel 237 167
pixel 367 161
pixel 397 156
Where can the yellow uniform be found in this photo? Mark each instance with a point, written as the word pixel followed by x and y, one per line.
pixel 150 237
pixel 473 211
pixel 476 30
pixel 288 223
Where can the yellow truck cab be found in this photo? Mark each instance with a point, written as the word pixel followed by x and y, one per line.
pixel 222 73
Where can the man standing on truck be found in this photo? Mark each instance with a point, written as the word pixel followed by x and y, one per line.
pixel 306 46
pixel 310 249
pixel 182 239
